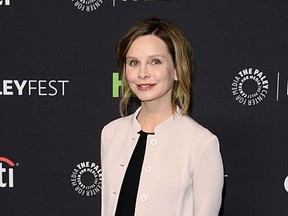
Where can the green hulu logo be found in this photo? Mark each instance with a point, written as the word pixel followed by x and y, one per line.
pixel 116 84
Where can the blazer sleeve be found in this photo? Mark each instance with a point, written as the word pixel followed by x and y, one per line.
pixel 208 179
pixel 106 137
pixel 104 145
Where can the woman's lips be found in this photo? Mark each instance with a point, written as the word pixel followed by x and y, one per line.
pixel 146 86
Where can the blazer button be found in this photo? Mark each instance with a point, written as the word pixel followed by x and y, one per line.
pixel 154 142
pixel 144 198
pixel 148 169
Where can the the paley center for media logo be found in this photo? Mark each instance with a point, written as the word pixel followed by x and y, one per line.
pixel 87 5
pixel 6 173
pixel 86 178
pixel 250 86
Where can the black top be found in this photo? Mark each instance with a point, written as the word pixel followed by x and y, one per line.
pixel 128 194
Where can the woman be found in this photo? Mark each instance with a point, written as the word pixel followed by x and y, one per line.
pixel 158 161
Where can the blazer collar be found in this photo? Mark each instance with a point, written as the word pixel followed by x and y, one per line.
pixel 168 123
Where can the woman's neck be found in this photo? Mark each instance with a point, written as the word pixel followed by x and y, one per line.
pixel 151 116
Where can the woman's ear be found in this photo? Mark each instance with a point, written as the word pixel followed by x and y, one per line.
pixel 175 75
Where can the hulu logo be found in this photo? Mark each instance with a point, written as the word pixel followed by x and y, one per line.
pixel 116 84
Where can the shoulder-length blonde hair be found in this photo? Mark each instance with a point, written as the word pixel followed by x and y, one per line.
pixel 178 47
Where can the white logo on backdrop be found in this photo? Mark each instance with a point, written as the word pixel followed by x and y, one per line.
pixel 279 88
pixel 87 5
pixel 286 183
pixel 86 178
pixel 250 86
pixel 4 2
pixel 6 172
pixel 33 87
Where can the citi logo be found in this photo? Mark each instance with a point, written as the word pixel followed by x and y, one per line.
pixel 6 173
pixel 4 2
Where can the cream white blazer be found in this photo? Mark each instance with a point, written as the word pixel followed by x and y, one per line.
pixel 182 173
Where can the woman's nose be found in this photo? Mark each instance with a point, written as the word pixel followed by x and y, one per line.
pixel 143 72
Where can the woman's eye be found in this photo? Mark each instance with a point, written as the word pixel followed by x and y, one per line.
pixel 156 61
pixel 133 62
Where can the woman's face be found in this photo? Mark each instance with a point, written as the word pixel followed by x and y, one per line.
pixel 150 70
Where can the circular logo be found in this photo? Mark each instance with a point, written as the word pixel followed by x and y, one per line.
pixel 87 5
pixel 250 87
pixel 86 178
pixel 286 183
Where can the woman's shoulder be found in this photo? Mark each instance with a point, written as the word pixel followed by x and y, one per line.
pixel 119 122
pixel 122 123
pixel 194 128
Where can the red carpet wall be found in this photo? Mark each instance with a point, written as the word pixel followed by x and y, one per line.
pixel 59 86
